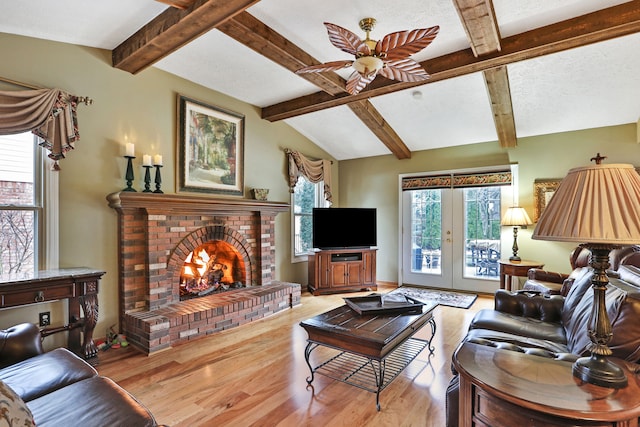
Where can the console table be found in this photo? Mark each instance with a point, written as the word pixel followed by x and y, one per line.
pixel 505 388
pixel 508 269
pixel 79 286
pixel 342 270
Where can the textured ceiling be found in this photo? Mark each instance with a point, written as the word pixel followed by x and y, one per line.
pixel 591 86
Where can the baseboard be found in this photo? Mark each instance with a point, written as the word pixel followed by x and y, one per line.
pixel 383 283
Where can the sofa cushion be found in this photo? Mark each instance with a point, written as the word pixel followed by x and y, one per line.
pixel 45 373
pixel 94 402
pixel 625 342
pixel 580 285
pixel 518 325
pixel 622 302
pixel 630 273
pixel 13 410
pixel 511 341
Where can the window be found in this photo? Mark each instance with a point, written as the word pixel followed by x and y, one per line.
pixel 305 197
pixel 25 180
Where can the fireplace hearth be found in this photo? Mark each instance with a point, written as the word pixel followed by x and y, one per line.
pixel 193 265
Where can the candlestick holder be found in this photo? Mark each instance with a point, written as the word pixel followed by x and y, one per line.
pixel 158 179
pixel 147 179
pixel 129 174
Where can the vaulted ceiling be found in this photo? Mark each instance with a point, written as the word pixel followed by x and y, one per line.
pixel 500 70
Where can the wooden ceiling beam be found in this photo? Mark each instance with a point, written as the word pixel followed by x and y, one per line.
pixel 497 81
pixel 606 24
pixel 180 4
pixel 378 125
pixel 253 33
pixel 479 20
pixel 256 35
pixel 171 30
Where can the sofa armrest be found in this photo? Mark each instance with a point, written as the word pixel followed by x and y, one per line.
pixel 18 343
pixel 547 308
pixel 546 276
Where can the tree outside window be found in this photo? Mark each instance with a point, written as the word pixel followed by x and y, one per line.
pixel 18 203
pixel 306 196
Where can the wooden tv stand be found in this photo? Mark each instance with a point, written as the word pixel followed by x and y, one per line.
pixel 342 270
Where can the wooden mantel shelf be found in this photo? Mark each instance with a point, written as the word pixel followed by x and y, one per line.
pixel 170 202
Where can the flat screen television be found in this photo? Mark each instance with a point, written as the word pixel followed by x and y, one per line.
pixel 340 228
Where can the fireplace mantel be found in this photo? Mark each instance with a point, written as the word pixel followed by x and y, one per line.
pixel 158 231
pixel 197 204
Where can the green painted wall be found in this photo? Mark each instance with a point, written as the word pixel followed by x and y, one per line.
pixel 142 108
pixel 374 182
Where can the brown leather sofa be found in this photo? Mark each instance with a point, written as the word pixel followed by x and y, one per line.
pixel 549 282
pixel 555 326
pixel 60 389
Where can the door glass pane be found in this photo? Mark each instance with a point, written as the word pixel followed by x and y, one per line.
pixel 426 231
pixel 482 231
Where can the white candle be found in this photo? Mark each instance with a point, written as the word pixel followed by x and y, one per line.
pixel 130 150
pixel 146 160
pixel 157 160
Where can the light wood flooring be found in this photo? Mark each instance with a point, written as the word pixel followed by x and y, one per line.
pixel 255 375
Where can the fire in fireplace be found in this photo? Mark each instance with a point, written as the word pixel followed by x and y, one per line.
pixel 212 267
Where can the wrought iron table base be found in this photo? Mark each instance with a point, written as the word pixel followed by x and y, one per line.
pixel 358 370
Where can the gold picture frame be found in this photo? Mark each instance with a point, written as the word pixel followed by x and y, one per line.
pixel 210 149
pixel 543 190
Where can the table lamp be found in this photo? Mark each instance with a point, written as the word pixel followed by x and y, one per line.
pixel 597 206
pixel 517 217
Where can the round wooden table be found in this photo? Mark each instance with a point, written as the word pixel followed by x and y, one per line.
pixel 506 388
pixel 509 269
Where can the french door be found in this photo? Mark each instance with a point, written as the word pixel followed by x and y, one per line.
pixel 451 237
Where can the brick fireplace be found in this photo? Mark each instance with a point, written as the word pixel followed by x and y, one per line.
pixel 156 235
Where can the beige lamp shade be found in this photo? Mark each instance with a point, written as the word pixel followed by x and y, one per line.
pixel 594 204
pixel 516 216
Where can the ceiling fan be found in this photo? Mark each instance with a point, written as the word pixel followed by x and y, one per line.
pixel 388 57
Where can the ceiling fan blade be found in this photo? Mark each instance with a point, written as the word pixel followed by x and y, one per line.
pixel 357 82
pixel 345 40
pixel 404 70
pixel 402 44
pixel 327 66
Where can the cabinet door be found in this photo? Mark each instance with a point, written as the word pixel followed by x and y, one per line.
pixel 354 273
pixel 338 274
pixel 369 267
pixel 324 271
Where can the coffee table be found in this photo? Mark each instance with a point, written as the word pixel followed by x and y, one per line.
pixel 373 348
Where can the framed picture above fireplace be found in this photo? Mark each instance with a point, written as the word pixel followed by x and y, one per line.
pixel 210 149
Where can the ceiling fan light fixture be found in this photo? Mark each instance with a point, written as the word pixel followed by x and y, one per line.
pixel 388 56
pixel 368 65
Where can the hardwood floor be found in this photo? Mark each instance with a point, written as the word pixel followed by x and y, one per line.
pixel 255 375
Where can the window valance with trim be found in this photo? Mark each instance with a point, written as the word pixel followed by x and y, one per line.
pixel 48 113
pixel 457 180
pixel 313 170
